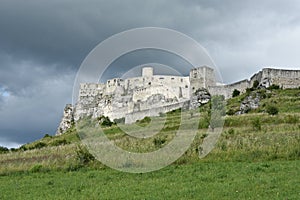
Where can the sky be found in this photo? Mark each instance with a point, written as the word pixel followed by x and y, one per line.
pixel 43 43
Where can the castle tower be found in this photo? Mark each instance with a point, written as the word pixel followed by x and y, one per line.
pixel 202 77
pixel 147 72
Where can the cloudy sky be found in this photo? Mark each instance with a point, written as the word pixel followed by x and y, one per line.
pixel 42 44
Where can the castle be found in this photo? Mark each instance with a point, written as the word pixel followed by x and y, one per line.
pixel 149 95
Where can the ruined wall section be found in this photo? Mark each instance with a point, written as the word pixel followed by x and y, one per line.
pixel 133 117
pixel 281 77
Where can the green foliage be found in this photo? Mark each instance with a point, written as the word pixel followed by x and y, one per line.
pixel 274 87
pixel 59 142
pixel 36 168
pixel 84 156
pixel 248 90
pixel 162 114
pixel 144 122
pixel 158 142
pixel 291 119
pixel 272 110
pixel 120 120
pixel 105 121
pixel 47 136
pixel 235 93
pixel 255 84
pixel 256 124
pixel 3 149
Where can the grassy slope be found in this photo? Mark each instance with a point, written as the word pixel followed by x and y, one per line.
pixel 263 159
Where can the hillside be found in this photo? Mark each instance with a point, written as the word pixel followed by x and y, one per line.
pixel 256 157
pixel 254 136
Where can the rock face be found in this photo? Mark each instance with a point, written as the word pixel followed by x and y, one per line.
pixel 199 97
pixel 149 95
pixel 67 120
pixel 249 103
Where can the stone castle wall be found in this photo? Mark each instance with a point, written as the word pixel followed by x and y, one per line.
pixel 148 95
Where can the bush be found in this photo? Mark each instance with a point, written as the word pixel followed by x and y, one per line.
pixel 47 136
pixel 235 93
pixel 59 142
pixel 120 120
pixel 230 112
pixel 159 141
pixel 38 145
pixel 256 124
pixel 84 156
pixel 36 168
pixel 145 120
pixel 272 110
pixel 4 149
pixel 105 121
pixel 274 87
pixel 255 84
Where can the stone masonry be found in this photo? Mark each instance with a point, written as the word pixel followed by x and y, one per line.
pixel 149 95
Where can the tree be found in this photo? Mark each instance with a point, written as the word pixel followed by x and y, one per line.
pixel 255 84
pixel 3 149
pixel 235 93
pixel 272 110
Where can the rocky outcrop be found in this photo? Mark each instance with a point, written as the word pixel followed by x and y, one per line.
pixel 200 97
pixel 249 103
pixel 67 120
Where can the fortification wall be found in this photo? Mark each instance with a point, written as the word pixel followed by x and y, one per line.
pixel 281 77
pixel 227 90
pixel 133 117
pixel 149 95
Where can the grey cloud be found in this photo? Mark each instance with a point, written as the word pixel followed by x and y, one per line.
pixel 44 42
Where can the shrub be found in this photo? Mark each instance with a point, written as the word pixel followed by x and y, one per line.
pixel 231 131
pixel 4 149
pixel 255 84
pixel 47 136
pixel 145 120
pixel 84 156
pixel 159 141
pixel 36 168
pixel 274 87
pixel 230 112
pixel 162 114
pixel 105 121
pixel 248 90
pixel 272 110
pixel 120 120
pixel 256 124
pixel 38 145
pixel 59 142
pixel 235 93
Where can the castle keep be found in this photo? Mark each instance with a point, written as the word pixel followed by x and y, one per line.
pixel 150 94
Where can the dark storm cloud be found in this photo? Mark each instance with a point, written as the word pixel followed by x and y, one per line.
pixel 42 44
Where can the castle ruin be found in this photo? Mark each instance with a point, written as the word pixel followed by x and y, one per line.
pixel 149 95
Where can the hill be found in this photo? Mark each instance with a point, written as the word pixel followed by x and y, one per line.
pixel 259 146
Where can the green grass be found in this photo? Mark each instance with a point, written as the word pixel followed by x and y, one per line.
pixel 256 157
pixel 201 180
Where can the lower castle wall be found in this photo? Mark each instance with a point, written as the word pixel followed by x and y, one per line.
pixel 226 90
pixel 133 117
